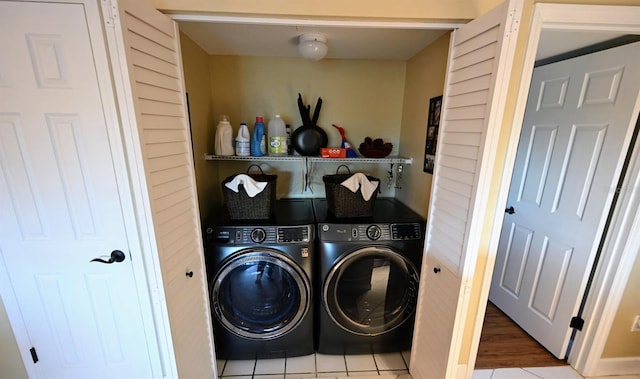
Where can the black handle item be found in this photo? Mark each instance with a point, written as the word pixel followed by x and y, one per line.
pixel 116 256
pixel 510 210
pixel 316 112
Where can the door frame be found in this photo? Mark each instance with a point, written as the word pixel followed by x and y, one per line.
pixel 622 246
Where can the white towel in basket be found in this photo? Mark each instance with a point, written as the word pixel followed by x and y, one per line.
pixel 360 180
pixel 250 186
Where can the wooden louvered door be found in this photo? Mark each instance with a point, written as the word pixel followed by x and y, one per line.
pixel 480 56
pixel 152 92
pixel 60 201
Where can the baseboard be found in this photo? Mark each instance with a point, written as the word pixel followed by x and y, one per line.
pixel 617 366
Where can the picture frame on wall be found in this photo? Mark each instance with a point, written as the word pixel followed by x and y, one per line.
pixel 433 124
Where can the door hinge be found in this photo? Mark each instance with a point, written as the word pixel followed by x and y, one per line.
pixel 110 10
pixel 34 355
pixel 576 323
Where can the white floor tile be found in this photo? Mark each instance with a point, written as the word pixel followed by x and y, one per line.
pixel 389 361
pixel 238 377
pixel 482 374
pixel 363 362
pixel 394 372
pixel 307 375
pixel 364 375
pixel 330 363
pixel 220 366
pixel 278 376
pixel 512 373
pixel 304 364
pixel 331 374
pixel 560 372
pixel 406 355
pixel 239 368
pixel 270 366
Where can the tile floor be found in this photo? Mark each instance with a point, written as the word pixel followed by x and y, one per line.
pixel 385 366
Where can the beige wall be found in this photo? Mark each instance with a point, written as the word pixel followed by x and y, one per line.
pixel 412 9
pixel 424 80
pixel 246 87
pixel 197 82
pixel 11 366
pixel 622 342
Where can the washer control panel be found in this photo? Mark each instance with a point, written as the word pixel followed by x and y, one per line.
pixel 370 232
pixel 251 235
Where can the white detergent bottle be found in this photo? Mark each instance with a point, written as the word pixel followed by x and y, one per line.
pixel 243 143
pixel 277 137
pixel 224 137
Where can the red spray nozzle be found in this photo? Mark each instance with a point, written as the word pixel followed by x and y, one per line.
pixel 341 131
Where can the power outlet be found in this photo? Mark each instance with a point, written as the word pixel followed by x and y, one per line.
pixel 636 324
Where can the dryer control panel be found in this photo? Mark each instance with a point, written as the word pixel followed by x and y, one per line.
pixel 370 232
pixel 251 235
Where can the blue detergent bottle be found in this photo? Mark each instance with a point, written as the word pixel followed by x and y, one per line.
pixel 258 139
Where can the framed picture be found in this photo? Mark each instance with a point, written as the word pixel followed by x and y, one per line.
pixel 433 124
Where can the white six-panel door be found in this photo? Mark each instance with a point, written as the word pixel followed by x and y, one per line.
pixel 574 139
pixel 59 202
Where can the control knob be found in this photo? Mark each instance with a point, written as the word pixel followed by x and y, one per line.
pixel 258 235
pixel 374 232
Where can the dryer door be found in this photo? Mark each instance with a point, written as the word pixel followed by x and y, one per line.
pixel 260 294
pixel 371 291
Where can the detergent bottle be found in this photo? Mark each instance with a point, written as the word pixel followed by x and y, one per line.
pixel 277 137
pixel 224 137
pixel 258 141
pixel 242 141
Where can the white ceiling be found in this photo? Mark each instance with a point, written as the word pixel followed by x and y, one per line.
pixel 281 40
pixel 346 42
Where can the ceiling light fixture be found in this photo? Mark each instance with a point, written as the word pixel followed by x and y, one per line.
pixel 312 46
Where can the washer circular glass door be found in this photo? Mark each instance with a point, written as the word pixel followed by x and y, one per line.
pixel 371 291
pixel 260 294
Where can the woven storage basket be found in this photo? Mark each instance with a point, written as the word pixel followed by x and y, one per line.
pixel 243 207
pixel 343 203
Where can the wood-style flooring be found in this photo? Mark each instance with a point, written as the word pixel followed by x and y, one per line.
pixel 503 344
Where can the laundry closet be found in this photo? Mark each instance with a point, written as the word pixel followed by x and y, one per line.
pixel 365 94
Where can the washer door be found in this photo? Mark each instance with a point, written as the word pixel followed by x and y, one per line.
pixel 371 291
pixel 260 294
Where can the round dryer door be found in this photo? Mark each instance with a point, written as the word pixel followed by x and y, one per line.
pixel 371 291
pixel 260 294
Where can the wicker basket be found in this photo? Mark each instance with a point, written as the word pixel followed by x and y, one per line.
pixel 243 207
pixel 343 203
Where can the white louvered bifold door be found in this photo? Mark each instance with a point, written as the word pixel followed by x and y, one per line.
pixel 151 46
pixel 478 69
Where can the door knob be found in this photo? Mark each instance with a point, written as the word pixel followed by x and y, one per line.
pixel 510 210
pixel 116 256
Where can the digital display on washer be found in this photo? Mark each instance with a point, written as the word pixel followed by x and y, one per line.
pixel 293 234
pixel 405 231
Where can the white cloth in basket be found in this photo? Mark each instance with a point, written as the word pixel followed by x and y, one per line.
pixel 360 180
pixel 250 185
